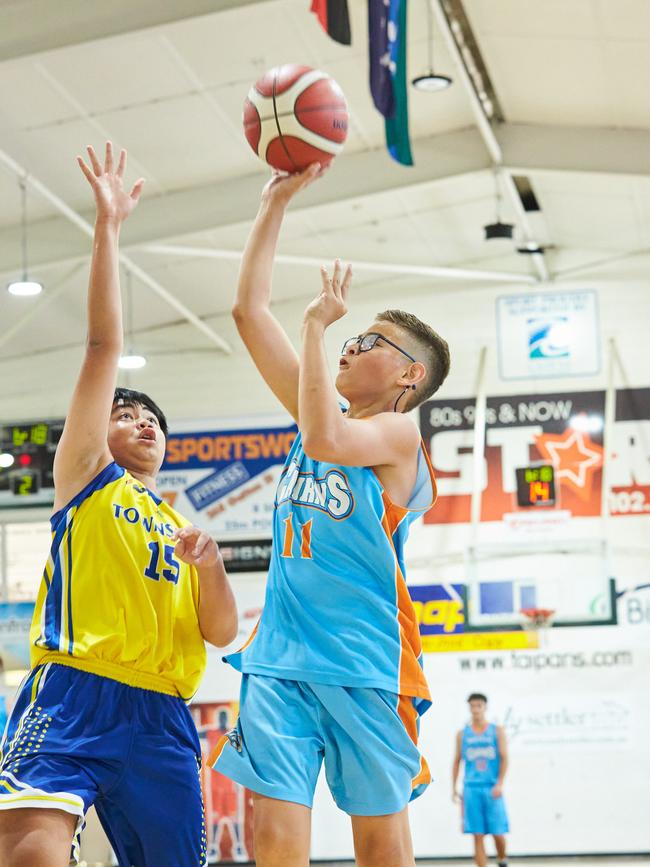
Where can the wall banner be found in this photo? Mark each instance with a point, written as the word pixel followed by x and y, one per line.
pixel 564 429
pixel 548 335
pixel 439 609
pixel 224 480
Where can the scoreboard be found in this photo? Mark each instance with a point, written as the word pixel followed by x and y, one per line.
pixel 536 486
pixel 26 462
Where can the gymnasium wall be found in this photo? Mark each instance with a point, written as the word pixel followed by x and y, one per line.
pixel 576 709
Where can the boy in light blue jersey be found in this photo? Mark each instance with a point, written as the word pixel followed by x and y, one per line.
pixel 481 746
pixel 333 670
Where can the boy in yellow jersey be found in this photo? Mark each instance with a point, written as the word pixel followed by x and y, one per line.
pixel 129 593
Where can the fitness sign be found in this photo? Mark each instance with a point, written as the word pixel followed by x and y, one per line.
pixel 224 481
pixel 564 429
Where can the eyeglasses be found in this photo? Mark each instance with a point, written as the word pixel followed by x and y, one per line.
pixel 369 341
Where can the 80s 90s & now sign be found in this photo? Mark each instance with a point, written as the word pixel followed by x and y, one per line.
pixel 560 429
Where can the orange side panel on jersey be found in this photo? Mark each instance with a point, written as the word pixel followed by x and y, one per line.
pixel 424 777
pixel 305 549
pixel 411 675
pixel 216 752
pixel 409 716
pixel 250 638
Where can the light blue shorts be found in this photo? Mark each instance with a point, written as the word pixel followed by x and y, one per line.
pixel 287 728
pixel 483 814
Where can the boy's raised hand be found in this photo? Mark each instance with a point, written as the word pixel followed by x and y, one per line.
pixel 112 201
pixel 281 188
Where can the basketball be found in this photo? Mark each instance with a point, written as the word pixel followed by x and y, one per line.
pixel 295 116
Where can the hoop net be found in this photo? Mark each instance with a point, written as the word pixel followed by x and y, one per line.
pixel 537 618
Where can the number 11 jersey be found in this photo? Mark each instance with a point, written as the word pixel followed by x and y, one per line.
pixel 337 610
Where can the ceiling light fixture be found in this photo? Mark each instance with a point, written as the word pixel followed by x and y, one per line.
pixel 498 229
pixel 431 81
pixel 25 286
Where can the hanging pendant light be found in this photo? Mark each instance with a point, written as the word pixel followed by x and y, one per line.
pixel 498 229
pixel 131 360
pixel 25 286
pixel 431 81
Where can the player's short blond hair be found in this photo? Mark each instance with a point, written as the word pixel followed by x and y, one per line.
pixel 433 349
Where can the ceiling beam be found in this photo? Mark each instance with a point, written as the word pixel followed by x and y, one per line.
pixel 235 200
pixel 84 227
pixel 30 27
pixel 488 134
pixel 526 149
pixel 602 150
pixel 404 268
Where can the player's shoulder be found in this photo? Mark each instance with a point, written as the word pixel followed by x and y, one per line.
pixel 398 425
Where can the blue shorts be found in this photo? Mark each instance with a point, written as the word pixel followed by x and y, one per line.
pixel 483 814
pixel 287 728
pixel 74 739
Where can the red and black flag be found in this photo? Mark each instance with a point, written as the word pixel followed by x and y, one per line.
pixel 334 19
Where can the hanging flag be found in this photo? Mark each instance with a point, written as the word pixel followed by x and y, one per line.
pixel 397 125
pixel 334 19
pixel 381 81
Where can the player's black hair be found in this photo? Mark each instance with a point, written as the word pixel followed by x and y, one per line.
pixel 130 397
pixel 477 696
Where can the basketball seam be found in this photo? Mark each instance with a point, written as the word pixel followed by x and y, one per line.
pixel 277 124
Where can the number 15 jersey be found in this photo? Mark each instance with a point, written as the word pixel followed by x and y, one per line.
pixel 114 600
pixel 337 609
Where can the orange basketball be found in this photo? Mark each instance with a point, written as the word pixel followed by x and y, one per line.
pixel 295 116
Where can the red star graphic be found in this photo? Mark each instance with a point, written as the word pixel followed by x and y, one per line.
pixel 575 458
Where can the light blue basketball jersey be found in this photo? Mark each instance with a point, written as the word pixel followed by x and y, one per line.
pixel 337 609
pixel 480 753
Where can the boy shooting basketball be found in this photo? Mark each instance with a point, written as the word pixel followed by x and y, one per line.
pixel 129 593
pixel 481 745
pixel 332 672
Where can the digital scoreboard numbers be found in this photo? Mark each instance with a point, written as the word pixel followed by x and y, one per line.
pixel 536 486
pixel 26 462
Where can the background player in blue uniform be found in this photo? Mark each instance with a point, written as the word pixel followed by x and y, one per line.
pixel 129 593
pixel 333 672
pixel 481 746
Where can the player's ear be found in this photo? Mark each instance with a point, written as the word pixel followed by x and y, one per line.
pixel 413 376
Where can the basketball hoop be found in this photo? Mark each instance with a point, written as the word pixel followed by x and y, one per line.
pixel 538 620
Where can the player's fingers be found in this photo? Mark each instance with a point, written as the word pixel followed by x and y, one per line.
pixel 108 159
pixel 137 189
pixel 186 533
pixel 310 173
pixel 93 160
pixel 121 166
pixel 201 541
pixel 336 278
pixel 325 279
pixel 347 282
pixel 86 170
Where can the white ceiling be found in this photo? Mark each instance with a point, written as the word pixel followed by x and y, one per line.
pixel 572 79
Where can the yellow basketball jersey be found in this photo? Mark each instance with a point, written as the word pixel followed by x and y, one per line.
pixel 114 600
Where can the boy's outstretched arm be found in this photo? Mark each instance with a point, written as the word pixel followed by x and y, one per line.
pixel 83 447
pixel 265 338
